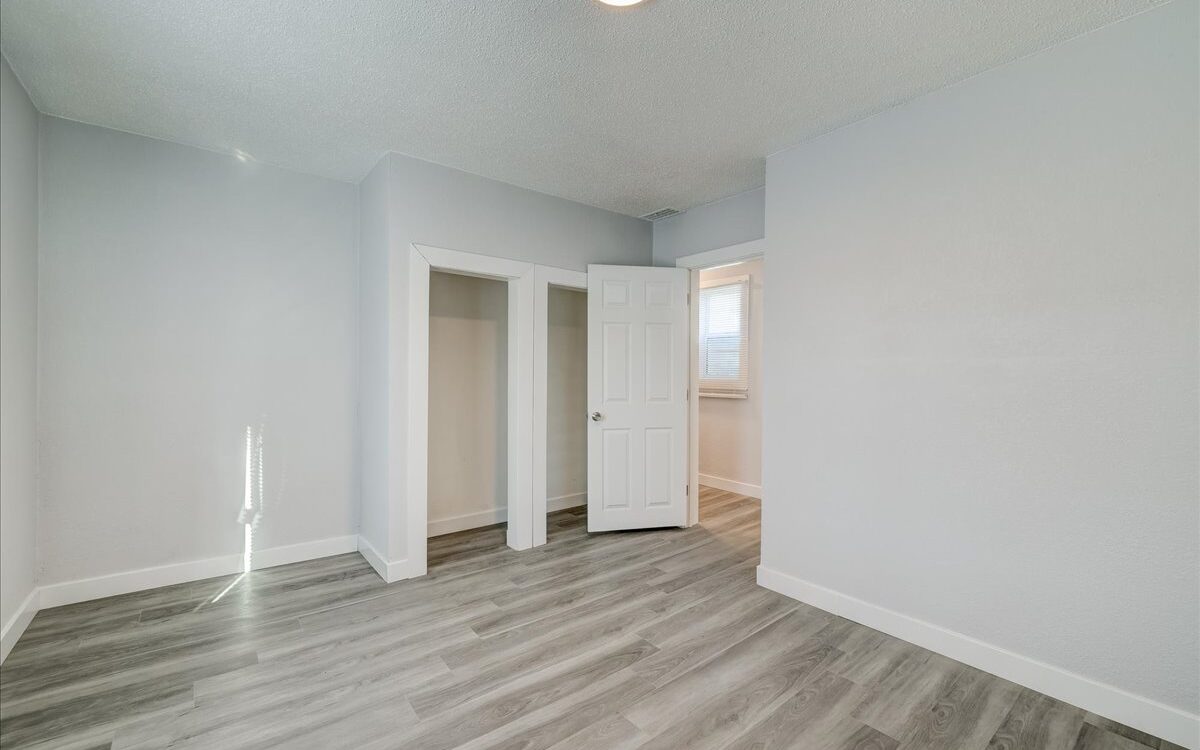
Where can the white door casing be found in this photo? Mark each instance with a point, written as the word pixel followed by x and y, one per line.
pixel 694 264
pixel 638 334
pixel 411 499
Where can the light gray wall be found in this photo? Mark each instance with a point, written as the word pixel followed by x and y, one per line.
pixel 983 383
pixel 430 204
pixel 186 295
pixel 18 342
pixel 468 400
pixel 436 205
pixel 731 221
pixel 731 428
pixel 374 469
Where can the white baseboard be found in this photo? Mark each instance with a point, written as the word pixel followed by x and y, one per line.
pixel 115 584
pixel 292 553
pixel 389 570
pixel 71 592
pixel 1169 723
pixel 729 485
pixel 562 502
pixel 18 622
pixel 440 526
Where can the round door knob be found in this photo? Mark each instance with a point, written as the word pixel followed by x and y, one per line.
pixel 597 416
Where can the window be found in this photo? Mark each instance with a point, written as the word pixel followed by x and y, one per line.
pixel 724 333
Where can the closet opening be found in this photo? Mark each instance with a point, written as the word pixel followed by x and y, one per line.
pixel 566 412
pixel 468 414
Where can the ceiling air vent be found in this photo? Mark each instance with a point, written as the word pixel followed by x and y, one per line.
pixel 661 213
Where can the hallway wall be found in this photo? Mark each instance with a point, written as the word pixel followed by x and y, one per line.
pixel 730 428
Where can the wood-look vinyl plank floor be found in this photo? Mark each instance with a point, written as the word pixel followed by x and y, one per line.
pixel 616 641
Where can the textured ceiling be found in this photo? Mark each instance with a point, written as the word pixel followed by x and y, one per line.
pixel 673 103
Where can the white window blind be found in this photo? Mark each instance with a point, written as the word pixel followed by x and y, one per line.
pixel 724 336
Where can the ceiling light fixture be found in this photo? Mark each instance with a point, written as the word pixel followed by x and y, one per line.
pixel 621 3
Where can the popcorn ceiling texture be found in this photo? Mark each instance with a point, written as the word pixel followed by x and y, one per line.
pixel 673 103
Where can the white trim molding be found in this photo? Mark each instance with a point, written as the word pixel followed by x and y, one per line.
pixel 544 277
pixel 1171 724
pixel 115 584
pixel 696 263
pixel 127 582
pixel 130 581
pixel 723 255
pixel 422 260
pixel 389 570
pixel 479 519
pixel 292 553
pixel 528 292
pixel 493 516
pixel 15 627
pixel 563 502
pixel 730 485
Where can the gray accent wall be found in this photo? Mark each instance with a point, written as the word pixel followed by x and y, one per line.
pixel 18 344
pixel 982 398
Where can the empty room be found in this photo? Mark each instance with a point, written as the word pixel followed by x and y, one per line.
pixel 600 375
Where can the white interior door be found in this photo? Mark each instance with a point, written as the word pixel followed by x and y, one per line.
pixel 637 397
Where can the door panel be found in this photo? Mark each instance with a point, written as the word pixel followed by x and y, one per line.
pixel 637 389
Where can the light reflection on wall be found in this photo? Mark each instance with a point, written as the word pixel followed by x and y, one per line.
pixel 252 500
pixel 251 512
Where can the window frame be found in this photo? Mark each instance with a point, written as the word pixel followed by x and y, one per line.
pixel 726 387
